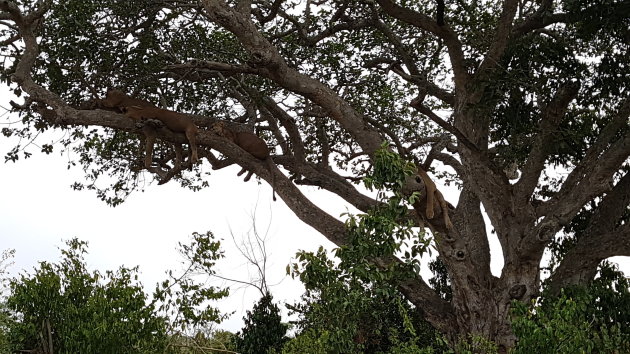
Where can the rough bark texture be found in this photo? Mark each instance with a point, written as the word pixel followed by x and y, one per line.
pixel 524 225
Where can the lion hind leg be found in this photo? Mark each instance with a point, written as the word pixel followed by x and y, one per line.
pixel 444 207
pixel 430 189
pixel 192 140
pixel 148 146
pixel 178 155
pixel 248 176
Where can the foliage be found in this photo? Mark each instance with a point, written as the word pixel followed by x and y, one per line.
pixel 94 313
pixel 221 339
pixel 215 342
pixel 342 313
pixel 352 305
pixel 385 230
pixel 183 298
pixel 5 324
pixel 83 312
pixel 6 320
pixel 581 319
pixel 309 341
pixel 440 281
pixel 476 344
pixel 263 331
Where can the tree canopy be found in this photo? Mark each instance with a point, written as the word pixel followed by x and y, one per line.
pixel 523 105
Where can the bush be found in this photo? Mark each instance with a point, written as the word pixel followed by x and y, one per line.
pixel 263 331
pixel 588 319
pixel 65 308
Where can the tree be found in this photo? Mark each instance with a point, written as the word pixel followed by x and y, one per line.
pixel 590 319
pixel 343 312
pixel 6 319
pixel 183 298
pixel 491 90
pixel 63 307
pixel 264 330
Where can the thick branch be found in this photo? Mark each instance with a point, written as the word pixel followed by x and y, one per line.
pixel 579 266
pixel 603 238
pixel 551 118
pixel 612 208
pixel 468 212
pixel 431 88
pixel 537 22
pixel 303 208
pixel 330 181
pixel 273 11
pixel 593 175
pixel 407 59
pixel 288 123
pixel 461 138
pixel 501 36
pixel 266 58
pixel 336 28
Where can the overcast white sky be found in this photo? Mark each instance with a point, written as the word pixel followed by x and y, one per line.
pixel 38 210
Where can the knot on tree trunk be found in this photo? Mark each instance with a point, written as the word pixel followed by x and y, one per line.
pixel 547 230
pixel 260 59
pixel 517 291
pixel 460 255
pixel 448 237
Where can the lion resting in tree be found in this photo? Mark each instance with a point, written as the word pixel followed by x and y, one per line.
pixel 251 143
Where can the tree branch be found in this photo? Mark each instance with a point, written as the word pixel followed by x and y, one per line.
pixel 579 265
pixel 551 117
pixel 593 174
pixel 266 58
pixel 431 88
pixel 330 181
pixel 288 123
pixel 536 22
pixel 501 36
pixel 329 226
pixel 273 11
pixel 210 66
pixel 604 237
pixel 461 138
pixel 426 23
